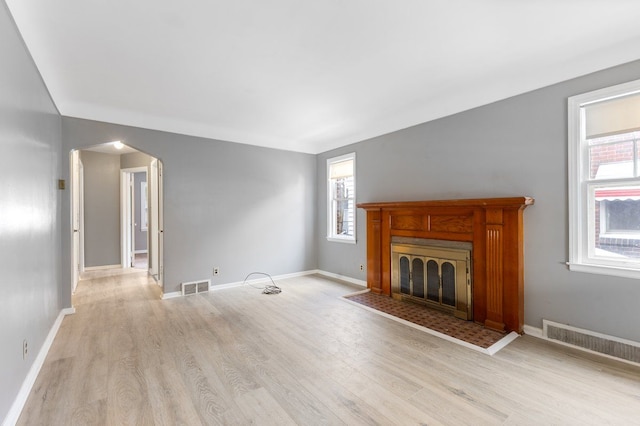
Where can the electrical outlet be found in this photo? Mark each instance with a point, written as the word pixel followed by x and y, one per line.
pixel 216 270
pixel 25 349
pixel 362 267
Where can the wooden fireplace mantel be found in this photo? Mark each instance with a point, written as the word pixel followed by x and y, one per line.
pixel 494 226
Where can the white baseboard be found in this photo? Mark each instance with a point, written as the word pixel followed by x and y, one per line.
pixel 263 279
pixel 171 295
pixel 97 268
pixel 218 287
pixel 355 281
pixel 532 331
pixel 32 375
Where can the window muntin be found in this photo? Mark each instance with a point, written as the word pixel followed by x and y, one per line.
pixel 341 198
pixel 604 179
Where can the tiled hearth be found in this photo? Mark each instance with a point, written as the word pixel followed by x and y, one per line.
pixel 444 323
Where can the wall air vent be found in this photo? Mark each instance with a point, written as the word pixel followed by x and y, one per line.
pixel 195 287
pixel 611 346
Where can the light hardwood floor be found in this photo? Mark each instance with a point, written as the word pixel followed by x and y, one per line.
pixel 304 357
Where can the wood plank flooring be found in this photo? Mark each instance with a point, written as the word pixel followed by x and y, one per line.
pixel 302 357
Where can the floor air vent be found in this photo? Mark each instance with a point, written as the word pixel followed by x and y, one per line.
pixel 195 287
pixel 601 343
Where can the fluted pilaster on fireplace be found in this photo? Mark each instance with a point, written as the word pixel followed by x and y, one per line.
pixel 494 226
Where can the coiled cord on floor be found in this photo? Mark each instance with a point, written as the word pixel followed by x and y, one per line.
pixel 268 289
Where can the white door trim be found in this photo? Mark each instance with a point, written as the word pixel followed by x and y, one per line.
pixel 126 214
pixel 75 218
pixel 153 220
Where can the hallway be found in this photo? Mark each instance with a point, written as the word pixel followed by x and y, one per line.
pixel 141 261
pixel 98 355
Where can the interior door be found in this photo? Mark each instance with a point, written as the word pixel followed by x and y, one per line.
pixel 132 220
pixel 153 220
pixel 156 222
pixel 81 216
pixel 75 220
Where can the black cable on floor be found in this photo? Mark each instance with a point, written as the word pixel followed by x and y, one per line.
pixel 268 289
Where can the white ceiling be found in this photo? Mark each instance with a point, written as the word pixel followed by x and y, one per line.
pixel 310 76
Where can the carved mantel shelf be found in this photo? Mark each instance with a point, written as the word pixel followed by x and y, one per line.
pixel 493 225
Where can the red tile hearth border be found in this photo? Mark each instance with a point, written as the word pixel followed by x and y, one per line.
pixel 467 331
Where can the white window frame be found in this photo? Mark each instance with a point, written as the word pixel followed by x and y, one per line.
pixel 331 236
pixel 580 258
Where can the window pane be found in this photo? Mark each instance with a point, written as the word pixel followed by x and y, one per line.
pixel 623 215
pixel 334 217
pixel 616 222
pixel 342 208
pixel 610 161
pixel 620 137
pixel 344 205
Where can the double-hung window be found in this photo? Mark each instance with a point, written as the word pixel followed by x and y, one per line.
pixel 341 198
pixel 604 181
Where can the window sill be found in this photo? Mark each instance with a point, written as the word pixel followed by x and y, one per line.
pixel 615 271
pixel 349 240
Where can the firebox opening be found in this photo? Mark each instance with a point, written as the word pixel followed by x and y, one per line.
pixel 434 273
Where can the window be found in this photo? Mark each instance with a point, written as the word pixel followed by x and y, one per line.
pixel 604 181
pixel 341 198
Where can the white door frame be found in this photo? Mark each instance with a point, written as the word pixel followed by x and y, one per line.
pixel 152 190
pixel 81 216
pixel 77 218
pixel 161 224
pixel 152 249
pixel 127 236
pixel 155 222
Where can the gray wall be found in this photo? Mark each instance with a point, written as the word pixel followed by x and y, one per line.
pixel 514 147
pixel 101 208
pixel 135 159
pixel 29 211
pixel 238 207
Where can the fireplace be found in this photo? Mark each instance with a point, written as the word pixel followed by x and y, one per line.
pixel 492 229
pixel 438 276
